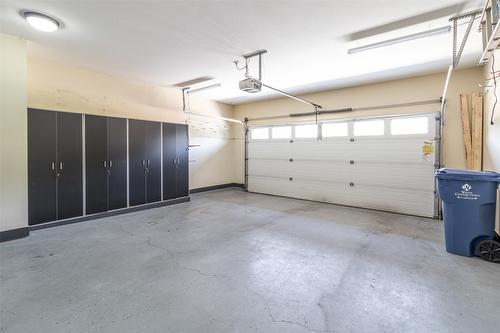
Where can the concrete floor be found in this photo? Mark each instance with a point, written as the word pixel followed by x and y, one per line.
pixel 230 261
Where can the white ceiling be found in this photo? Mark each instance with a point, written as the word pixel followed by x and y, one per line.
pixel 166 42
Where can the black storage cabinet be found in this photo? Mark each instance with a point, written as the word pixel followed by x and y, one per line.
pixel 175 161
pixel 55 165
pixel 144 162
pixel 117 156
pixel 105 163
pixel 55 180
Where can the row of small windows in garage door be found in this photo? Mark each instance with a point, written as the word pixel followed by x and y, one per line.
pixel 398 126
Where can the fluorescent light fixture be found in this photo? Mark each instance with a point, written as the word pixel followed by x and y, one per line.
pixel 418 35
pixel 194 81
pixel 41 21
pixel 216 85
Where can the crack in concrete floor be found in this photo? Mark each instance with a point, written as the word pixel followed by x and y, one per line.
pixel 148 241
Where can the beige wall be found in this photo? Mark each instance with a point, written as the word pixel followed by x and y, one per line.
pixel 420 88
pixel 55 86
pixel 13 134
pixel 491 138
pixel 491 135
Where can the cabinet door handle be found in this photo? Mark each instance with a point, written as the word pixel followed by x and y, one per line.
pixel 104 164
pixel 60 165
pixel 149 162
pixel 110 163
pixel 143 162
pixel 53 165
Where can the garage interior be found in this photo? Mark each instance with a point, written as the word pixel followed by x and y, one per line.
pixel 242 166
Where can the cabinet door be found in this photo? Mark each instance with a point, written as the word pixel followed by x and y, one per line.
pixel 169 161
pixel 41 166
pixel 182 160
pixel 137 157
pixel 153 161
pixel 96 156
pixel 69 165
pixel 117 163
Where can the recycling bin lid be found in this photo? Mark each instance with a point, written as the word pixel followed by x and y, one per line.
pixel 471 175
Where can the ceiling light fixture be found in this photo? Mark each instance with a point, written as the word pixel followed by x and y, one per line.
pixel 401 39
pixel 41 21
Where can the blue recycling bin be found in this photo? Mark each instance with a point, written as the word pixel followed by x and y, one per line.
pixel 469 203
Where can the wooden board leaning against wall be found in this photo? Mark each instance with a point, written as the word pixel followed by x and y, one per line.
pixel 472 125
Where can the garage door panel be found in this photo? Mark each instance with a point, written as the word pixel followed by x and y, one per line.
pixel 385 150
pixel 401 201
pixel 338 150
pixel 408 151
pixel 388 176
pixel 387 172
pixel 270 185
pixel 268 149
pixel 408 202
pixel 270 167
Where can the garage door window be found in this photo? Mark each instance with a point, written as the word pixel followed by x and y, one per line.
pixel 306 131
pixel 334 130
pixel 282 132
pixel 417 125
pixel 260 133
pixel 369 127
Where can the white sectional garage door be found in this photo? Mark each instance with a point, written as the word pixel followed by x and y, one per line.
pixel 380 163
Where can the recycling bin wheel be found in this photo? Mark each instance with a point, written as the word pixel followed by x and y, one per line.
pixel 489 250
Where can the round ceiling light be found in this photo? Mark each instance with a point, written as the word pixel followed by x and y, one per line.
pixel 41 21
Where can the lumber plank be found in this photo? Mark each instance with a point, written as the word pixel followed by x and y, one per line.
pixel 464 109
pixel 477 131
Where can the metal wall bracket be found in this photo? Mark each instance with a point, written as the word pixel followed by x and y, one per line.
pixel 457 54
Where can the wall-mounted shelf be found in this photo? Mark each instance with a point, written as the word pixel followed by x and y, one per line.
pixel 489 29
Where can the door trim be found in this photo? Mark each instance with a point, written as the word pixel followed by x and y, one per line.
pixel 161 161
pixel 128 168
pixel 84 165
